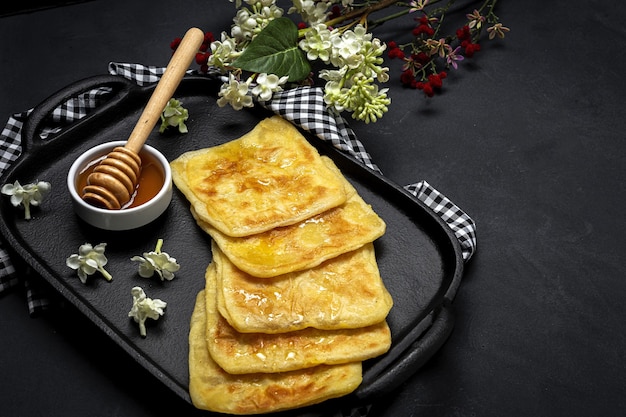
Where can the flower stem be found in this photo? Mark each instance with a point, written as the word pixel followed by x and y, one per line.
pixel 158 246
pixel 105 274
pixel 392 16
pixel 442 12
pixel 26 209
pixel 364 11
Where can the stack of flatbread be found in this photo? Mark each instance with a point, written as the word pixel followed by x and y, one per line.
pixel 293 300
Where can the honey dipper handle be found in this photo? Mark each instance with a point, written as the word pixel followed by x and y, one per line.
pixel 174 73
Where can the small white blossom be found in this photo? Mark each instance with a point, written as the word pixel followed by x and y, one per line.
pixel 312 12
pixel 372 103
pixel 267 85
pixel 223 52
pixel 248 23
pixel 317 43
pixel 333 75
pixel 156 261
pixel 358 95
pixel 89 260
pixel 336 96
pixel 235 93
pixel 26 196
pixel 174 115
pixel 266 15
pixel 351 86
pixel 244 25
pixel 145 308
pixel 348 48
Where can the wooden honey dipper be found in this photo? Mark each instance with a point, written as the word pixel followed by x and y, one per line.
pixel 113 181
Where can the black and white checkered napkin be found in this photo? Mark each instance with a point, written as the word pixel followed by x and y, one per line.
pixel 303 106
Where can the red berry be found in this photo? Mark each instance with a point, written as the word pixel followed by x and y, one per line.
pixel 421 58
pixel 435 81
pixel 407 77
pixel 463 33
pixel 174 44
pixel 201 58
pixel 471 48
pixel 428 90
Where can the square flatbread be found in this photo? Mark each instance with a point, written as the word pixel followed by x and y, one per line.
pixel 345 292
pixel 268 178
pixel 241 353
pixel 305 244
pixel 213 389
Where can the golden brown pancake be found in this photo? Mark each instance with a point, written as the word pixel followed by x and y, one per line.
pixel 345 292
pixel 306 244
pixel 213 389
pixel 240 353
pixel 268 178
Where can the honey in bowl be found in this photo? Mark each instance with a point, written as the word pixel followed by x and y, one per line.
pixel 149 184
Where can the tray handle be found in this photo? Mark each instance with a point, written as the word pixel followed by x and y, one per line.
pixel 40 114
pixel 383 381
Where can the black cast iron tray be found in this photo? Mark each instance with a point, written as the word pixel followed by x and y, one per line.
pixel 419 257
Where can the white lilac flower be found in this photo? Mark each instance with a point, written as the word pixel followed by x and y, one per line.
pixel 371 53
pixel 335 96
pixel 317 43
pixel 383 74
pixel 27 195
pixel 244 25
pixel 312 12
pixel 174 115
pixel 89 260
pixel 333 75
pixel 359 95
pixel 145 308
pixel 235 93
pixel 347 48
pixel 223 52
pixel 267 85
pixel 156 261
pixel 351 86
pixel 266 15
pixel 370 102
pixel 247 23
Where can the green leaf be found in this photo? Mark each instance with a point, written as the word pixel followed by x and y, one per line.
pixel 275 51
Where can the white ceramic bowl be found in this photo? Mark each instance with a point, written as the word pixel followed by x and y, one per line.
pixel 124 219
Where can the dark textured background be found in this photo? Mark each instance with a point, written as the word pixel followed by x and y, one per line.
pixel 527 138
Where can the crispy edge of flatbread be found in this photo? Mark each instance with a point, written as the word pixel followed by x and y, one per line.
pixel 240 249
pixel 224 224
pixel 240 353
pixel 213 389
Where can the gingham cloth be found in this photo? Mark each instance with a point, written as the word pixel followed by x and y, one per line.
pixel 303 106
